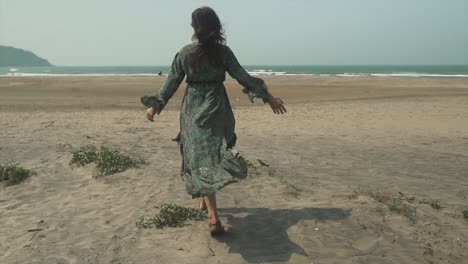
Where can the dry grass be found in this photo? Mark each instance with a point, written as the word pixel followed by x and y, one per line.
pixel 402 204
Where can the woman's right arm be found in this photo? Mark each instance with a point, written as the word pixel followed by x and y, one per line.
pixel 254 87
pixel 158 100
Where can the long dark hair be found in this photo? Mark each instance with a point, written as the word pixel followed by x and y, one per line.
pixel 210 35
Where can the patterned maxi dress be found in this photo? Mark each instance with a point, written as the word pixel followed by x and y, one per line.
pixel 207 122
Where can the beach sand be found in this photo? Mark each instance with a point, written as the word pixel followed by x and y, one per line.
pixel 345 147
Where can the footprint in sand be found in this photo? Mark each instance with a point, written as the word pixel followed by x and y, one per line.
pixel 367 244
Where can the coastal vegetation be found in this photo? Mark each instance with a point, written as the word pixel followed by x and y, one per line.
pixel 12 174
pixel 171 215
pixel 109 160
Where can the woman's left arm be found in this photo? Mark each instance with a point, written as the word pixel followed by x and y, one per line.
pixel 158 100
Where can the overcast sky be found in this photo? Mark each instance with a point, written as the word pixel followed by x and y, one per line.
pixel 313 32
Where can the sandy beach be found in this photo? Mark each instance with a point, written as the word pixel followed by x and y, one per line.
pixel 343 148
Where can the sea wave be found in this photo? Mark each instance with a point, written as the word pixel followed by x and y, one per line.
pixel 417 75
pixel 403 74
pixel 266 72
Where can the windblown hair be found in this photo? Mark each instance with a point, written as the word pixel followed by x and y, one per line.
pixel 209 33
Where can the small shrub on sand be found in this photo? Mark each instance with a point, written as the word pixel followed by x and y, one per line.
pixel 171 215
pixel 465 214
pixel 108 160
pixel 84 155
pixel 14 174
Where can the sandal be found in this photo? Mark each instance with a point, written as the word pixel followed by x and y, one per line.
pixel 216 229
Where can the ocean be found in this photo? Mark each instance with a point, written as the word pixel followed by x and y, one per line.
pixel 287 70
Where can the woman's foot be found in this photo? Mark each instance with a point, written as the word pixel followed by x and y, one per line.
pixel 215 224
pixel 216 228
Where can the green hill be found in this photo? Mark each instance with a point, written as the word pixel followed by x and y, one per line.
pixel 13 57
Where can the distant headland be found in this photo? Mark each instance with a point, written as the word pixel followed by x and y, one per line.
pixel 14 57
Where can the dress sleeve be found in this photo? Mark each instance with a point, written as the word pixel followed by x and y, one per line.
pixel 253 86
pixel 172 83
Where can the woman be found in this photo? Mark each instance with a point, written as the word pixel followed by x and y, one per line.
pixel 207 122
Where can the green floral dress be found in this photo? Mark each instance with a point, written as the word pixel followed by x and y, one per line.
pixel 207 123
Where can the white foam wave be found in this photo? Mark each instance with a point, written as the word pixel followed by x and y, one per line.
pixel 265 72
pixel 413 75
pixel 418 75
pixel 351 75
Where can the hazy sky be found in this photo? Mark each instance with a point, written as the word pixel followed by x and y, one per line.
pixel 316 32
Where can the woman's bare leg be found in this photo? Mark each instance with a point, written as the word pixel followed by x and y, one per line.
pixel 210 202
pixel 201 204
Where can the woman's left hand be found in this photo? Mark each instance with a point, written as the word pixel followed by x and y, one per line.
pixel 150 114
pixel 277 105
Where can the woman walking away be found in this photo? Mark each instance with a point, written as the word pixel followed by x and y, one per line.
pixel 207 136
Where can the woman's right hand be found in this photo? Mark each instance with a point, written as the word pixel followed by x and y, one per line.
pixel 150 114
pixel 277 105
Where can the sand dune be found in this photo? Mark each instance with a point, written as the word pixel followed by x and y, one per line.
pixel 384 135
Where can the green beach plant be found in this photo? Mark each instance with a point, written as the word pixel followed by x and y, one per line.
pixel 108 160
pixel 84 155
pixel 12 174
pixel 171 215
pixel 465 214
